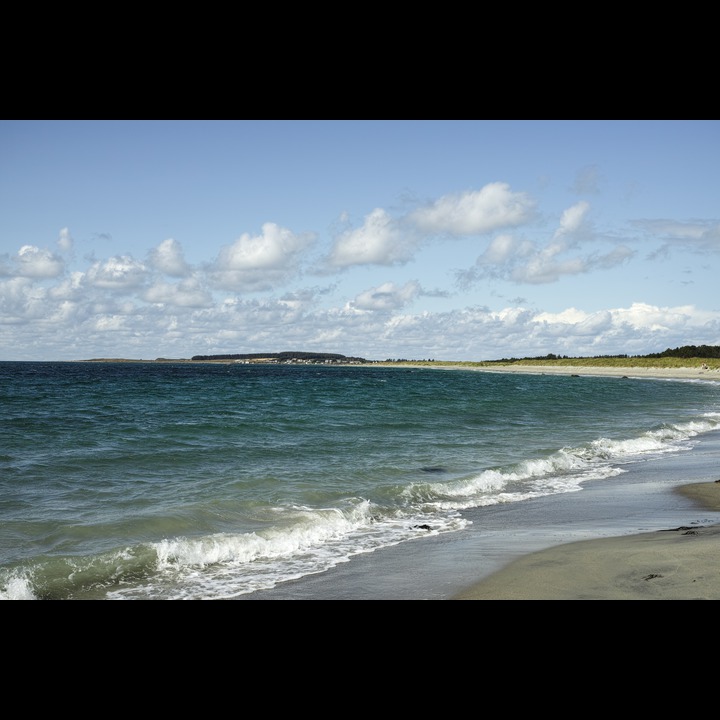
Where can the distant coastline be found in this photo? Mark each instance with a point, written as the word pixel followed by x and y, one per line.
pixel 688 361
pixel 250 358
pixel 646 366
pixel 690 372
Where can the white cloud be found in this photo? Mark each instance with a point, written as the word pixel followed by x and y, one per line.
pixel 627 330
pixel 108 323
pixel 507 316
pixel 269 250
pixel 20 300
pixel 583 324
pixel 641 316
pixel 188 293
pixel 68 288
pixel 375 324
pixel 65 241
pixel 254 263
pixel 505 248
pixel 380 241
pixel 67 312
pixel 384 240
pixel 570 316
pixel 493 207
pixel 117 273
pixel 521 261
pixel 543 268
pixel 572 219
pixel 386 297
pixel 123 306
pixel 168 258
pixel 32 262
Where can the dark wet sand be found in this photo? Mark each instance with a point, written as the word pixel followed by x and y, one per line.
pixel 674 564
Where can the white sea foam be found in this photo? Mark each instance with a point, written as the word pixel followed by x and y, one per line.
pixel 227 565
pixel 17 588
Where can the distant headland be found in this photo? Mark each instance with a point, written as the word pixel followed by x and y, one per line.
pixel 287 357
pixel 705 356
pixel 284 357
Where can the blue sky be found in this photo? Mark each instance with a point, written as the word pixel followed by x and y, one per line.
pixel 418 239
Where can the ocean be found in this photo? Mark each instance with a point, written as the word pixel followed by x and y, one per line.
pixel 208 481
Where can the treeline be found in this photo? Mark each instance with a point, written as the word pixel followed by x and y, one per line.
pixel 689 351
pixel 281 356
pixel 686 351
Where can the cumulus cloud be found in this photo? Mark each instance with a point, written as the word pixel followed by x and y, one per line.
pixel 68 288
pixel 164 307
pixel 645 317
pixel 492 208
pixel 268 250
pixel 583 324
pixel 187 293
pixel 380 241
pixel 168 258
pixel 386 297
pixel 260 262
pixel 385 240
pixel 118 273
pixel 524 262
pixel 17 296
pixel 33 262
pixel 628 330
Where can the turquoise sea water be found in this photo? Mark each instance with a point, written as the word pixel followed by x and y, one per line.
pixel 231 481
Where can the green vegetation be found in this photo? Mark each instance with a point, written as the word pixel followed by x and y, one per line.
pixel 707 352
pixel 686 356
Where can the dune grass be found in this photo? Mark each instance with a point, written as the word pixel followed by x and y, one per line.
pixel 610 362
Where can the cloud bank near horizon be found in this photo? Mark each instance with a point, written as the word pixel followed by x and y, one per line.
pixel 277 288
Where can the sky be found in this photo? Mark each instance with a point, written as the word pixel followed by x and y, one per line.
pixel 460 240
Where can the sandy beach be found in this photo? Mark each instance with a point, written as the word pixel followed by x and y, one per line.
pixel 673 564
pixel 684 373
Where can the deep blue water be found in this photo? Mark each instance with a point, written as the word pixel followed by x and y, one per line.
pixel 217 481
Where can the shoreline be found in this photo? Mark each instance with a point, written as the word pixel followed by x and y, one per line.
pixel 674 373
pixel 678 373
pixel 674 564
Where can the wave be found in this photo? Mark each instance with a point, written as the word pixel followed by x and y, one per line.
pixel 298 540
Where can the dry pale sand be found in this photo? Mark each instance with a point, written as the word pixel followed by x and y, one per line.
pixel 675 564
pixel 685 373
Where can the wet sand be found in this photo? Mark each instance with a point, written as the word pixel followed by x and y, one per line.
pixel 673 564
